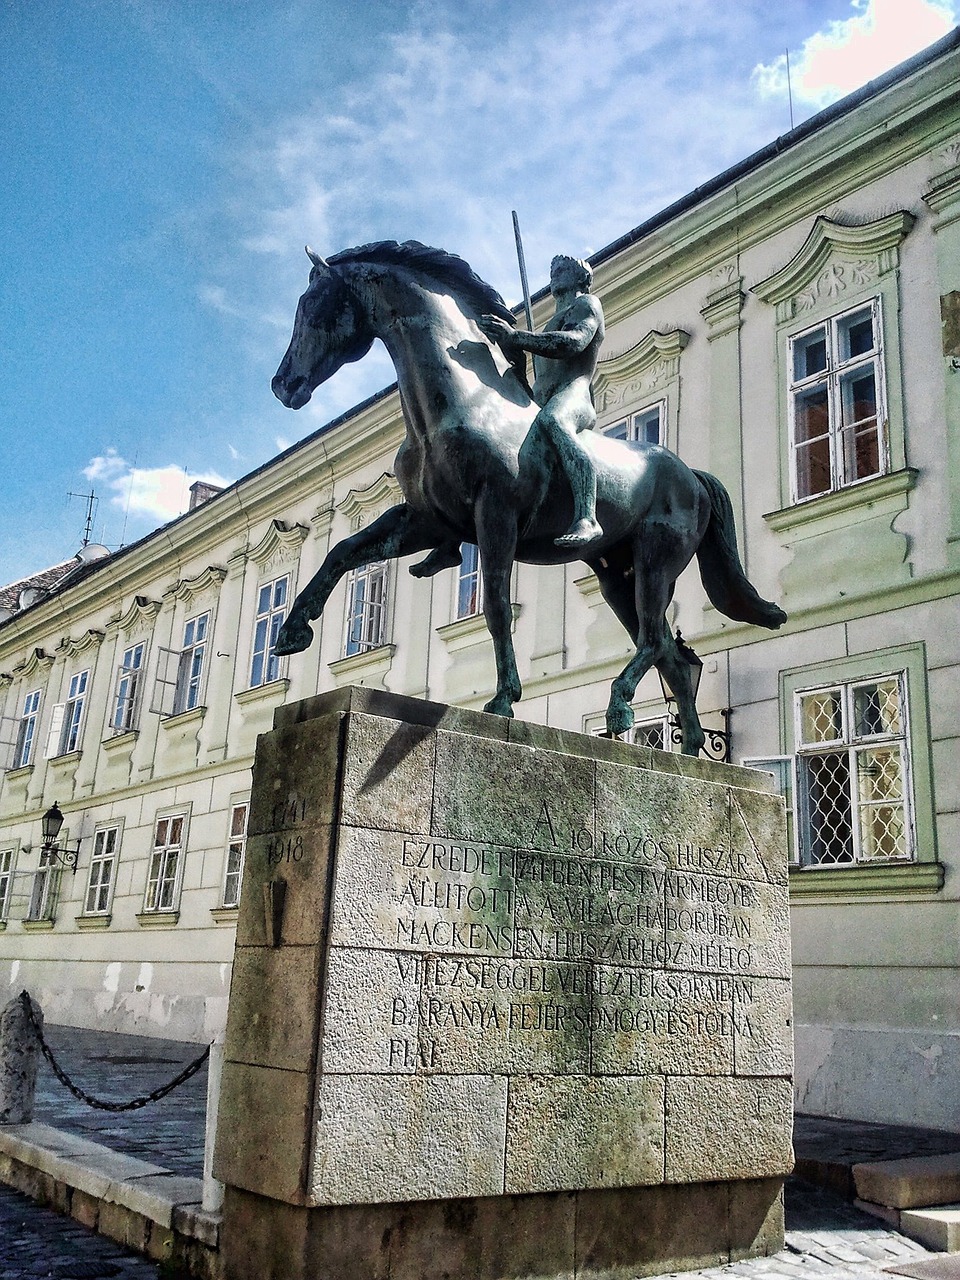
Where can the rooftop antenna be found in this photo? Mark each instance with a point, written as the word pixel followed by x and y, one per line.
pixel 789 89
pixel 92 501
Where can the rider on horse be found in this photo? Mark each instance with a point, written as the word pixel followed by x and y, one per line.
pixel 565 358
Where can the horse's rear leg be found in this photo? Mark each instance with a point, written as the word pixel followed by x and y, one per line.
pixel 676 671
pixel 398 532
pixel 497 540
pixel 652 589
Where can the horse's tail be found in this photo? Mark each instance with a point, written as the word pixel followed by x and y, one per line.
pixel 724 581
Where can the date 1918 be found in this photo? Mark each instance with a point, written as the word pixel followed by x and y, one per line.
pixel 280 850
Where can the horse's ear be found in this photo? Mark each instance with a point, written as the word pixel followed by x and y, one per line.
pixel 315 257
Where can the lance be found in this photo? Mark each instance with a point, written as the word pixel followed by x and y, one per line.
pixel 528 310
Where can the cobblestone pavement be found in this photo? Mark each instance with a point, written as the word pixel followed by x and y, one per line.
pixel 118 1067
pixel 38 1244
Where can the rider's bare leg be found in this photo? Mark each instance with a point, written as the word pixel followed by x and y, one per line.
pixel 497 540
pixel 446 556
pixel 578 468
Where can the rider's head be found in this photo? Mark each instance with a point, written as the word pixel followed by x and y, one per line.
pixel 571 272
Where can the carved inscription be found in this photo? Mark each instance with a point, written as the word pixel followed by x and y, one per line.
pixel 619 953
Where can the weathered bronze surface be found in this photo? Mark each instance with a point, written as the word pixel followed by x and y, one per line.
pixel 480 464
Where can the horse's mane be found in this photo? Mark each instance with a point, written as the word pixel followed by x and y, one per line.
pixel 445 268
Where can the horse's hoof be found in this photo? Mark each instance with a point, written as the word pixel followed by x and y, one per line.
pixel 439 559
pixel 293 637
pixel 499 705
pixel 619 720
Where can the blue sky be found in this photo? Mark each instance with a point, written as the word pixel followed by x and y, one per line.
pixel 165 161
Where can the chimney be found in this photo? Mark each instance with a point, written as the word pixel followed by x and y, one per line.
pixel 201 492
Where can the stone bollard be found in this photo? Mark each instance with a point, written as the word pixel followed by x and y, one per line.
pixel 212 1188
pixel 19 1058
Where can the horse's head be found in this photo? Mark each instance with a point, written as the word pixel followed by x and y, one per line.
pixel 330 330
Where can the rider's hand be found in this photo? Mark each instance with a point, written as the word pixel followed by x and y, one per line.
pixel 496 330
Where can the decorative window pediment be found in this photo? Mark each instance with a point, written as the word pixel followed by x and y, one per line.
pixel 835 258
pixel 137 618
pixel 37 662
pixel 188 589
pixel 278 545
pixel 360 504
pixel 639 372
pixel 69 648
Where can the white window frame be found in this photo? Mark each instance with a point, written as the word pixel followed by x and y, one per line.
pixel 27 729
pixel 783 770
pixel 469 582
pixel 636 424
pixel 853 745
pixel 44 892
pixel 366 620
pixel 102 874
pixel 162 894
pixel 181 673
pixel 236 851
pixel 125 713
pixel 265 666
pixel 642 729
pixel 832 378
pixel 67 718
pixel 8 858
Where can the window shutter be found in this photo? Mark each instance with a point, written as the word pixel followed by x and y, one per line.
pixel 9 733
pixel 165 684
pixel 55 731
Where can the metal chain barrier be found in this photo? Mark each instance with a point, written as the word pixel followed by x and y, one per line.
pixel 102 1104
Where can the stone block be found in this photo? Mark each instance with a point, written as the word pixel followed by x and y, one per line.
pixel 758 834
pixel 718 925
pixel 756 1218
pixel 197 1224
pixel 155 1197
pixel 263 1130
pixel 298 765
pixel 123 1226
pixel 936 1228
pixel 389 1138
pixel 274 1006
pixel 763 1027
pixel 582 1131
pixel 85 1209
pixel 651 1230
pixel 913 1183
pixel 727 1128
pixel 300 857
pixel 388 775
pixel 514 796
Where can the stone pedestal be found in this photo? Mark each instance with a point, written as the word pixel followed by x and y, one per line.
pixel 507 1001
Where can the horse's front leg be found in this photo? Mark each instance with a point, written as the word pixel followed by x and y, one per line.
pixel 497 539
pixel 676 671
pixel 398 532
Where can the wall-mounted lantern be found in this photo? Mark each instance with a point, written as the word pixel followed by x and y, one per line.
pixel 50 825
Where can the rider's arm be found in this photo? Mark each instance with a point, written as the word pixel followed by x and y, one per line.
pixel 554 344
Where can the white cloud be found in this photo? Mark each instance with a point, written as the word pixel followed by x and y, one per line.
pixel 157 492
pixel 847 54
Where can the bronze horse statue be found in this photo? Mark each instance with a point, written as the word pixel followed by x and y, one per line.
pixel 471 470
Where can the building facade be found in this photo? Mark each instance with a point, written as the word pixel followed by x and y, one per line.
pixel 792 327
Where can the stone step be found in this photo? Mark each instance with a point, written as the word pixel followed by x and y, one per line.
pixel 936 1228
pixel 914 1183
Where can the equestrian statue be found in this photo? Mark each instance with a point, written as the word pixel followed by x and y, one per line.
pixel 520 473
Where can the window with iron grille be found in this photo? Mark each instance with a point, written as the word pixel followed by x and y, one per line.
pixel 646 425
pixel 366 609
pixel 645 733
pixel 6 881
pixel 469 581
pixel 103 862
pixel 126 703
pixel 236 844
pixel 837 410
pixel 27 730
pixel 271 611
pixel 163 880
pixel 853 773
